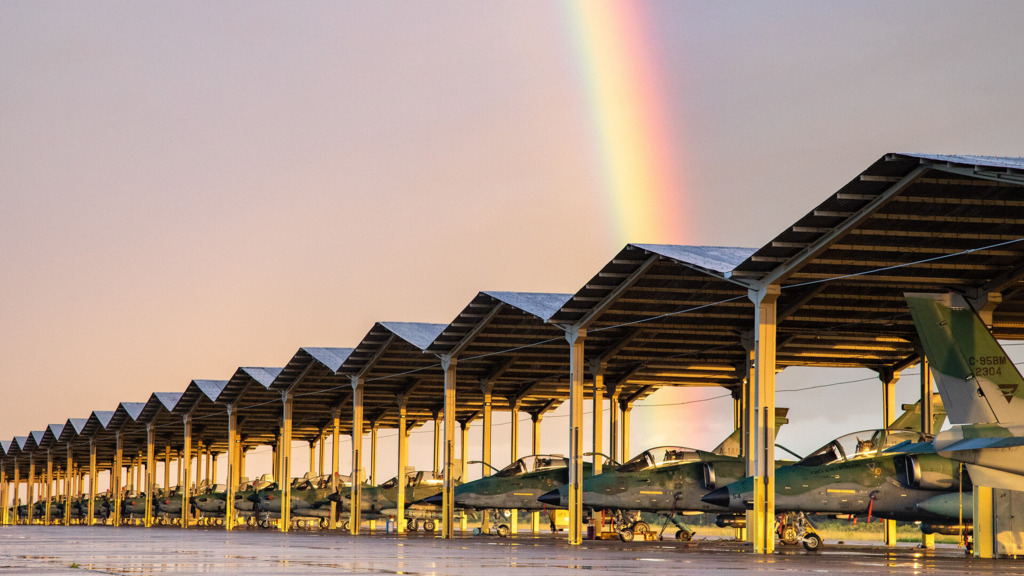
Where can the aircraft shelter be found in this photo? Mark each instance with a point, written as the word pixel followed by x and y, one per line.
pixel 826 291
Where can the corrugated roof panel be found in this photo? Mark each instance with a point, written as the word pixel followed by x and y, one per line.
pixel 133 409
pixel 719 259
pixel 211 388
pixel 22 441
pixel 56 429
pixel 541 304
pixel 78 424
pixel 972 160
pixel 332 358
pixel 168 399
pixel 103 416
pixel 37 435
pixel 6 445
pixel 419 334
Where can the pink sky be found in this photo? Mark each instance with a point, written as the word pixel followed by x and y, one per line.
pixel 187 188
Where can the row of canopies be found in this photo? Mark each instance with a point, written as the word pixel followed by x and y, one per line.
pixel 826 291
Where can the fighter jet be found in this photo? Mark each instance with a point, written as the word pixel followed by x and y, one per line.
pixel 865 472
pixel 309 499
pixel 382 501
pixel 980 386
pixel 214 503
pixel 515 487
pixel 667 480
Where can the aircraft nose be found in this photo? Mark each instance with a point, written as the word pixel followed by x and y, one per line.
pixel 718 497
pixel 552 498
pixel 436 499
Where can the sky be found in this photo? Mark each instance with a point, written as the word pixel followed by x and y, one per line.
pixel 190 187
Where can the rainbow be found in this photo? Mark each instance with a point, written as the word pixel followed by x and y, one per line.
pixel 631 120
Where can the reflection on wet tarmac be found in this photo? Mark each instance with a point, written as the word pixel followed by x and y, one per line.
pixel 107 550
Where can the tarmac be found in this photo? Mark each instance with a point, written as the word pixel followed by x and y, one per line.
pixel 46 550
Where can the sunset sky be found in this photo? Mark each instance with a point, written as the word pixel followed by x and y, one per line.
pixel 189 187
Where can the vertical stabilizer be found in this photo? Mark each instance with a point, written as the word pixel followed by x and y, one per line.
pixel 911 417
pixel 978 382
pixel 733 444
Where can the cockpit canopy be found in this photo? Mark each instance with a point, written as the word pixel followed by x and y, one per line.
pixel 864 444
pixel 415 478
pixel 533 463
pixel 660 456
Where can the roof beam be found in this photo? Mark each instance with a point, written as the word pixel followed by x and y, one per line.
pixel 991 174
pixel 610 298
pixel 468 338
pixel 376 355
pixel 782 272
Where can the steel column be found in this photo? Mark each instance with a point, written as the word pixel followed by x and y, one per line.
pixel 464 471
pixel 67 484
pixel 927 540
pixel 403 462
pixel 437 441
pixel 597 372
pixel 285 449
pixel 575 337
pixel 761 459
pixel 535 449
pixel 613 425
pixel 186 459
pixel 232 477
pixel 30 488
pixel 115 488
pixel 49 486
pixel 448 364
pixel 355 512
pixel 889 380
pixel 150 471
pixel 486 388
pixel 335 463
pixel 514 445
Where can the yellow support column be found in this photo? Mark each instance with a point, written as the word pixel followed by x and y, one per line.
pixel 626 408
pixel 535 448
pixel 355 510
pixel 487 388
pixel 285 481
pixel 15 494
pixel 186 471
pixel 335 463
pixel 437 442
pixel 514 445
pixel 321 449
pixel 575 338
pixel 49 486
pixel 613 425
pixel 167 470
pixel 448 364
pixel 927 540
pixel 150 471
pixel 30 488
pixel 69 467
pixel 403 462
pixel 373 464
pixel 889 380
pixel 5 518
pixel 232 479
pixel 92 482
pixel 597 372
pixel 464 471
pixel 115 488
pixel 761 459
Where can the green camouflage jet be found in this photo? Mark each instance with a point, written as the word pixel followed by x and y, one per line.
pixel 980 386
pixel 883 473
pixel 514 487
pixel 382 501
pixel 667 480
pixel 309 499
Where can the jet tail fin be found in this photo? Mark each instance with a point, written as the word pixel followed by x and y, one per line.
pixel 978 382
pixel 911 417
pixel 733 444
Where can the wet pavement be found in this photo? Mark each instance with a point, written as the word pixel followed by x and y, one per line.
pixel 107 550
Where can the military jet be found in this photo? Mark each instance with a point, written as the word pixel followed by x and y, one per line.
pixel 382 501
pixel 309 499
pixel 866 472
pixel 214 503
pixel 667 480
pixel 168 505
pixel 514 487
pixel 980 386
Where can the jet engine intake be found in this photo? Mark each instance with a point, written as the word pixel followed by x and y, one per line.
pixel 709 476
pixel 928 472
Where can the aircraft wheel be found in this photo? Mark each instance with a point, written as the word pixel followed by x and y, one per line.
pixel 789 536
pixel 626 535
pixel 323 523
pixel 429 525
pixel 250 521
pixel 684 535
pixel 413 525
pixel 504 530
pixel 219 522
pixel 300 523
pixel 641 527
pixel 346 525
pixel 264 524
pixel 812 542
